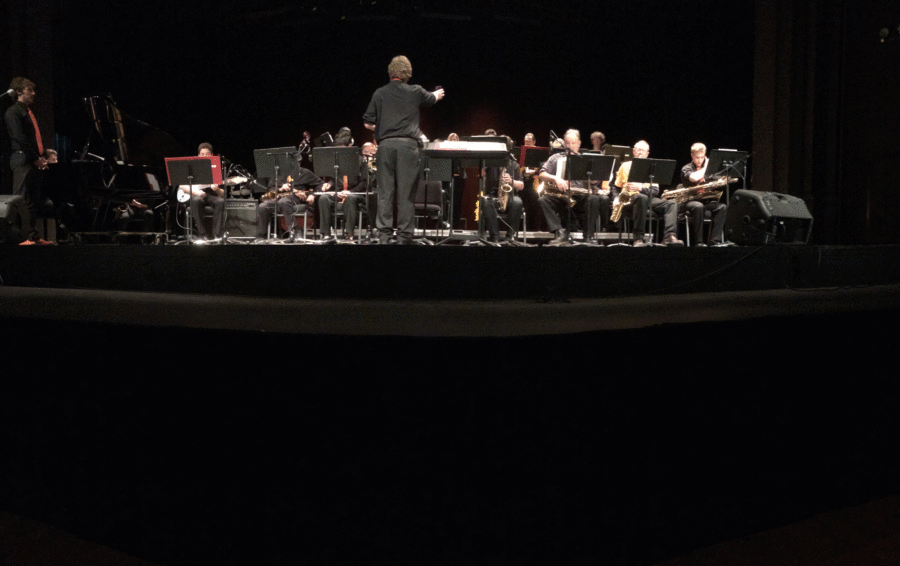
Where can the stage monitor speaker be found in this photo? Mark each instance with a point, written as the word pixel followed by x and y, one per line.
pixel 756 218
pixel 6 202
pixel 9 219
pixel 240 220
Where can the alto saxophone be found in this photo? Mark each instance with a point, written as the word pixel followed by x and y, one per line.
pixel 624 198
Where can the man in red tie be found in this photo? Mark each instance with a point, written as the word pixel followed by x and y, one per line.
pixel 27 153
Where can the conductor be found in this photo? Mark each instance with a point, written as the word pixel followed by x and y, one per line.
pixel 393 114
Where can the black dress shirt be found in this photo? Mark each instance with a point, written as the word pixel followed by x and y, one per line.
pixel 394 110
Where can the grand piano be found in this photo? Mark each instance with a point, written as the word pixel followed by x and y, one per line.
pixel 123 159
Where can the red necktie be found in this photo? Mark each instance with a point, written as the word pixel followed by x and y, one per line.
pixel 37 134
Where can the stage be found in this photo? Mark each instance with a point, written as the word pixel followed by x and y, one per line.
pixel 371 404
pixel 439 290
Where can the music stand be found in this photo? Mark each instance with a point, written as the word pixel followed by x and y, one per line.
pixel 534 157
pixel 325 140
pixel 723 160
pixel 368 160
pixel 482 163
pixel 622 152
pixel 653 171
pixel 270 162
pixel 438 169
pixel 337 163
pixel 590 166
pixel 192 171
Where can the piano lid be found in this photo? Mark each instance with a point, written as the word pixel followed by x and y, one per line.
pixel 126 139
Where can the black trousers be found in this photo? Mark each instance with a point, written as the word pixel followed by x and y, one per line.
pixel 398 176
pixel 696 211
pixel 668 209
pixel 490 210
pixel 556 211
pixel 285 205
pixel 26 184
pixel 218 205
pixel 327 204
pixel 352 208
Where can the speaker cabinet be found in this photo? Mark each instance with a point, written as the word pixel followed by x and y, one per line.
pixel 240 218
pixel 756 218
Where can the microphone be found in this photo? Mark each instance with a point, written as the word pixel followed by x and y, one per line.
pixel 10 92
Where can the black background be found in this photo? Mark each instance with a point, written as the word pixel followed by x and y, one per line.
pixel 245 78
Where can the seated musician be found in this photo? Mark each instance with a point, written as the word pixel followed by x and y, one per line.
pixel 297 190
pixel 134 211
pixel 201 195
pixel 356 194
pixel 529 172
pixel 491 202
pixel 643 195
pixel 693 174
pixel 327 203
pixel 529 193
pixel 557 192
pixel 598 142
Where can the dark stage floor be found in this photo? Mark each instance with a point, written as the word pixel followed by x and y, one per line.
pixel 347 405
pixel 183 446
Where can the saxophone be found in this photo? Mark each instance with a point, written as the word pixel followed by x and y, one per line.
pixel 551 188
pixel 503 193
pixel 706 191
pixel 624 198
pixel 273 194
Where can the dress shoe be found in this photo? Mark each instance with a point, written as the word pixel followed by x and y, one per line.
pixel 562 237
pixel 671 240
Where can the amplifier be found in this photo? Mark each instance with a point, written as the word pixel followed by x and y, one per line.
pixel 240 217
pixel 756 218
